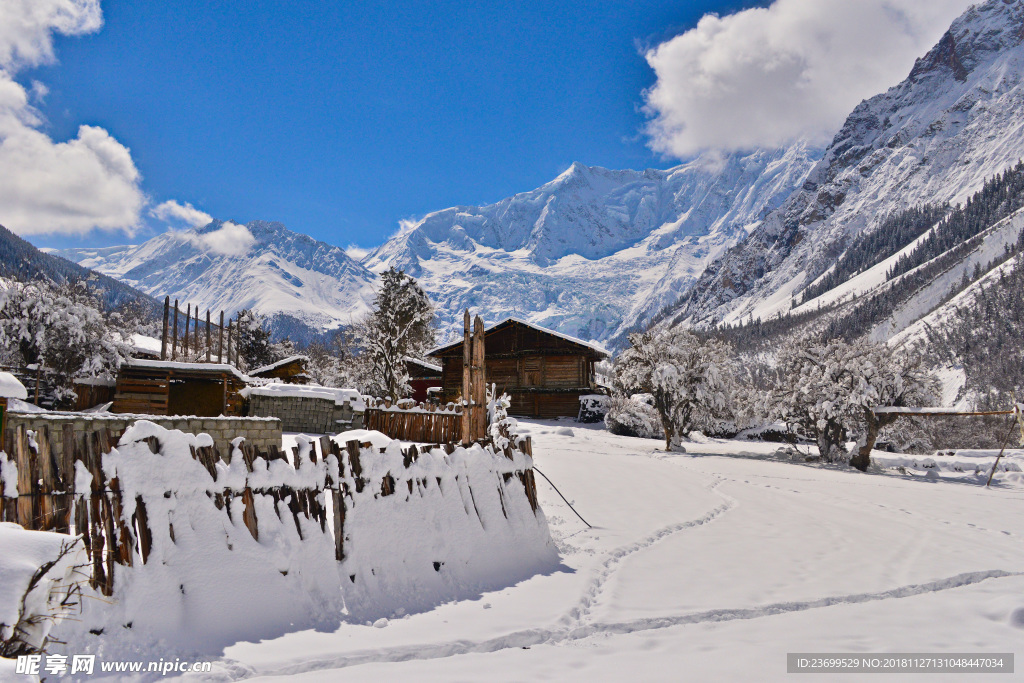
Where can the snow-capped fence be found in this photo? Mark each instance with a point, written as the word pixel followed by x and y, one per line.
pixel 124 497
pixel 409 421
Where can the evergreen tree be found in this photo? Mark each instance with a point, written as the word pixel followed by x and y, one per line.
pixel 401 325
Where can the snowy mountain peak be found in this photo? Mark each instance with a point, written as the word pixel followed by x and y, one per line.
pixel 595 251
pixel 932 139
pixel 226 266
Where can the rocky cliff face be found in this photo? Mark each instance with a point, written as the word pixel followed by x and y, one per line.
pixel 934 138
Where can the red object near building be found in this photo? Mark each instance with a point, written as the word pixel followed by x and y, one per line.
pixel 422 376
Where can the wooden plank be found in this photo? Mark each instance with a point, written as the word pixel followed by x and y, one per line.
pixel 467 361
pixel 174 344
pixel 26 474
pixel 163 335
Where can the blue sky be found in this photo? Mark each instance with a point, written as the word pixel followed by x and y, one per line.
pixel 340 119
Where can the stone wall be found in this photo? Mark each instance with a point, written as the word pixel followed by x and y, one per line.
pixel 308 414
pixel 260 432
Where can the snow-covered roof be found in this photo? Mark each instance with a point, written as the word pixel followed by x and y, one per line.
pixel 280 389
pixel 10 387
pixel 145 344
pixel 278 364
pixel 423 364
pixel 181 365
pixel 574 340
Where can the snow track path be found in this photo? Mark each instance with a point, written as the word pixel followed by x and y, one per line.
pixel 706 565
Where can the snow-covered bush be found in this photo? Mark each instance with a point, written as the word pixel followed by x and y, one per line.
pixel 39 585
pixel 829 390
pixel 593 408
pixel 691 379
pixel 634 416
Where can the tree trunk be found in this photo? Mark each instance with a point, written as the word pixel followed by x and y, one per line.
pixel 873 425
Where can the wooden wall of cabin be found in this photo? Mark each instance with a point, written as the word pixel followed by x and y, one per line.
pixel 557 372
pixel 543 405
pixel 196 397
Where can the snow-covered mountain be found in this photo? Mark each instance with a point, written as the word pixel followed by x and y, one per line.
pixel 594 252
pixel 225 266
pixel 934 138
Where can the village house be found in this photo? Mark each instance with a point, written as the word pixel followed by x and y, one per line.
pixel 290 370
pixel 544 372
pixel 423 376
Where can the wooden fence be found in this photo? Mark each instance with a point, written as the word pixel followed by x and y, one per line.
pixel 46 499
pixel 421 422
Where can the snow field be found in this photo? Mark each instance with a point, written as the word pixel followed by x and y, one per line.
pixel 708 565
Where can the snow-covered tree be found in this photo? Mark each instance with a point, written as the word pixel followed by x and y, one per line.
pixel 254 345
pixel 634 416
pixel 829 390
pixel 690 379
pixel 400 325
pixel 62 330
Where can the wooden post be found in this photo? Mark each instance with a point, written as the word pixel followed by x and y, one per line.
pixel 479 381
pixel 207 335
pixel 467 362
pixel 188 319
pixel 163 337
pixel 174 344
pixel 220 339
pixel 229 342
pixel 39 373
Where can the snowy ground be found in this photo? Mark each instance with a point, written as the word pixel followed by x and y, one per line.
pixel 709 565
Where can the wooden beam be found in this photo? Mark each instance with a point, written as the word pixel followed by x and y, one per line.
pixel 163 335
pixel 188 319
pixel 467 362
pixel 207 335
pixel 174 344
pixel 479 381
pixel 933 412
pixel 220 342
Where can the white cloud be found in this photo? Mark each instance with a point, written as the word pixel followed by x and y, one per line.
pixel 230 239
pixel 70 187
pixel 26 28
pixel 764 77
pixel 171 211
pixel 354 251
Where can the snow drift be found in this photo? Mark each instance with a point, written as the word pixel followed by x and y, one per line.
pixel 211 552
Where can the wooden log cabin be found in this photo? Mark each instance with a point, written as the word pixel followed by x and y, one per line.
pixel 172 388
pixel 290 370
pixel 544 372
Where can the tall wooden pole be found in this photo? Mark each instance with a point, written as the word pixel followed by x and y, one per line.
pixel 174 345
pixel 229 341
pixel 163 336
pixel 479 381
pixel 207 335
pixel 467 362
pixel 220 342
pixel 188 320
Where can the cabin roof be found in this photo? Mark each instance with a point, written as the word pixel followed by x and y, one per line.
pixel 183 368
pixel 422 363
pixel 591 347
pixel 298 358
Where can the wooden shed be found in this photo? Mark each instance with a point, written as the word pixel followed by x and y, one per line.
pixel 422 376
pixel 543 371
pixel 172 388
pixel 290 370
